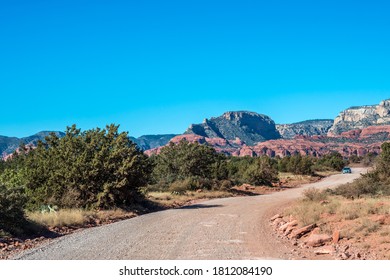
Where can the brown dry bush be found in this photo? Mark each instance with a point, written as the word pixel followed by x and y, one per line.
pixel 313 194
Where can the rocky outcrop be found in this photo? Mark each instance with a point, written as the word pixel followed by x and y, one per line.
pixel 248 127
pixel 305 128
pixel 361 117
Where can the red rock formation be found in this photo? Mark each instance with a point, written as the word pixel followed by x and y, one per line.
pixel 372 130
pixel 355 142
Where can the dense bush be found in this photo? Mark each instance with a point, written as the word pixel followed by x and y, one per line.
pixel 12 202
pixel 190 166
pixel 187 163
pixel 262 172
pixel 237 167
pixel 95 168
pixel 296 164
pixel 332 161
pixel 2 165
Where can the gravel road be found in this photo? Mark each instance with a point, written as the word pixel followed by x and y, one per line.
pixel 228 228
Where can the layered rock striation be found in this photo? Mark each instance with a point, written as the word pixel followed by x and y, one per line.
pixel 361 117
pixel 355 142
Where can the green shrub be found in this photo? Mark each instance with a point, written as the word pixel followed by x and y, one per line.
pixel 180 186
pixel 186 160
pixel 296 164
pixel 12 202
pixel 262 172
pixel 332 161
pixel 95 168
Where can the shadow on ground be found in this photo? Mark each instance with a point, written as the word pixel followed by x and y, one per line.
pixel 201 206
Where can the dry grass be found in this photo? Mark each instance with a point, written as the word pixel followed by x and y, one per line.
pixel 362 221
pixel 168 199
pixel 293 180
pixel 313 194
pixel 78 217
pixel 66 217
pixel 366 226
pixel 75 217
pixel 306 212
pixel 327 173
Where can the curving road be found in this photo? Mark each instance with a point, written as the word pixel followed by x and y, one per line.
pixel 229 228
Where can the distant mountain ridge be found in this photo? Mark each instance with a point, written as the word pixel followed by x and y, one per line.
pixel 356 130
pixel 9 144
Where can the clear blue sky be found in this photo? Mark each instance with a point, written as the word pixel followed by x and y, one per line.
pixel 157 66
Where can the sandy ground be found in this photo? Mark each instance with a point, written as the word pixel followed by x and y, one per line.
pixel 228 228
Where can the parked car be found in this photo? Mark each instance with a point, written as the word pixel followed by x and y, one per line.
pixel 347 170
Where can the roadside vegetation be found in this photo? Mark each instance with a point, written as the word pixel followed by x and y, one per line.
pixel 75 179
pixel 360 210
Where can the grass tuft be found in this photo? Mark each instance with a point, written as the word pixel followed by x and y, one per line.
pixel 64 217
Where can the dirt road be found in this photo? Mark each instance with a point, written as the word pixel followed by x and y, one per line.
pixel 229 228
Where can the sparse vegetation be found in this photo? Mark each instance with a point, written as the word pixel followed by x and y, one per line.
pixel 359 209
pixel 313 194
pixel 313 209
pixel 75 217
pixel 169 199
pixel 63 217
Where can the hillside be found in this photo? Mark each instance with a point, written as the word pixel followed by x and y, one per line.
pixel 306 128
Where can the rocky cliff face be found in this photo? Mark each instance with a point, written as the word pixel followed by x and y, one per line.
pixel 361 117
pixel 305 128
pixel 247 126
